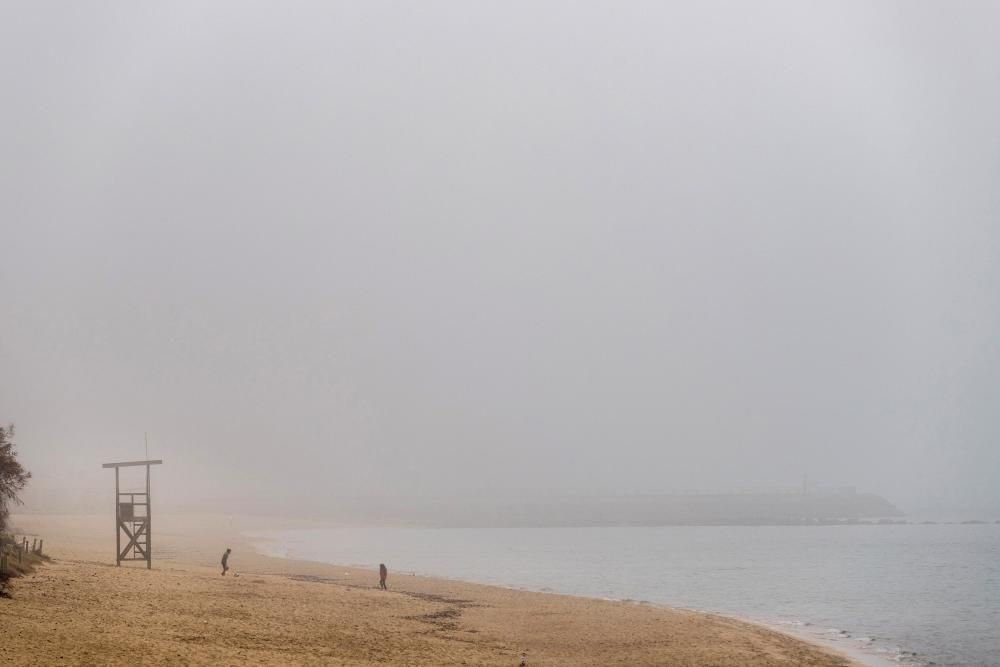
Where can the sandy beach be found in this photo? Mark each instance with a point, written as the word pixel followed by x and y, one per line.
pixel 82 610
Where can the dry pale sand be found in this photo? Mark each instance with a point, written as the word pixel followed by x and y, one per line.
pixel 81 610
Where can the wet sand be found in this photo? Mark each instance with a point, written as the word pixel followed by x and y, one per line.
pixel 82 610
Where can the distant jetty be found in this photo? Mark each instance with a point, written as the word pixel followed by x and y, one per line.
pixel 739 509
pixel 693 509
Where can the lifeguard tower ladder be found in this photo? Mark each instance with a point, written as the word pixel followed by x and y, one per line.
pixel 133 518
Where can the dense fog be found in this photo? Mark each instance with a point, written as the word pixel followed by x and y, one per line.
pixel 328 252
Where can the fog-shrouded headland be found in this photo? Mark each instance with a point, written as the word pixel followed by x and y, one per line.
pixel 322 253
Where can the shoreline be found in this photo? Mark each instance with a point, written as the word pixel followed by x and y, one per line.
pixel 859 657
pixel 81 609
pixel 862 650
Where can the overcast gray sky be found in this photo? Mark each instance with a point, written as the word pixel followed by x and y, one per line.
pixel 449 248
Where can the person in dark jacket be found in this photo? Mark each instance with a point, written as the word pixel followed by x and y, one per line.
pixel 382 574
pixel 225 561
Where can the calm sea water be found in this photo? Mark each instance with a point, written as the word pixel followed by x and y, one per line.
pixel 910 594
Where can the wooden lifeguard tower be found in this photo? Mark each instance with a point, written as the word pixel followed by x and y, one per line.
pixel 133 518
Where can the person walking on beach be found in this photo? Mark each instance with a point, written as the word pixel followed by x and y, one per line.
pixel 225 561
pixel 382 574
